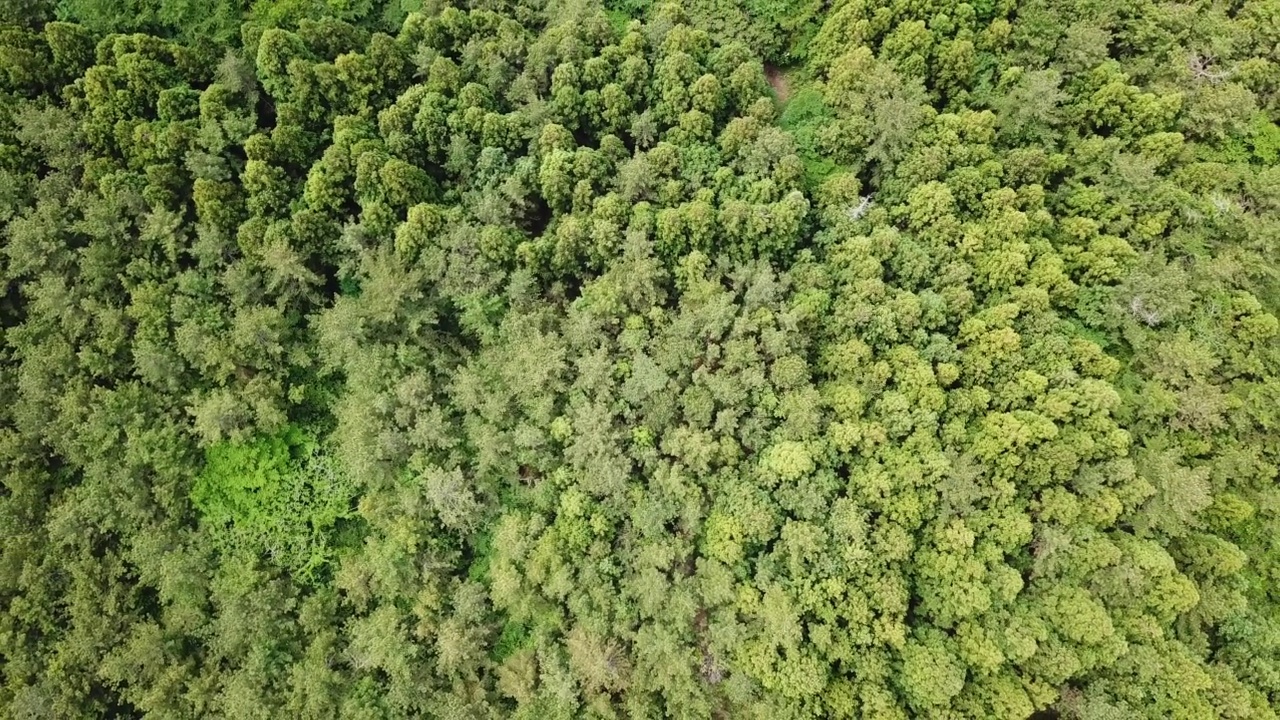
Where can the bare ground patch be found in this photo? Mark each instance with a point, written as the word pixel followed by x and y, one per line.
pixel 778 81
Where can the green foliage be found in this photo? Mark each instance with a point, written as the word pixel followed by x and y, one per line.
pixel 805 115
pixel 218 20
pixel 281 498
pixel 513 359
pixel 1264 139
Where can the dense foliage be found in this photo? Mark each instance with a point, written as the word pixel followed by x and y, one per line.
pixel 558 359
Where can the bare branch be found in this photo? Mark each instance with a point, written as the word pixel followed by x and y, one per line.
pixel 861 208
pixel 1139 308
pixel 1202 67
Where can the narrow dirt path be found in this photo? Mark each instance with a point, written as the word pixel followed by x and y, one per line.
pixel 778 81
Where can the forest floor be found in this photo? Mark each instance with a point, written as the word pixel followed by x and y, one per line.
pixel 778 81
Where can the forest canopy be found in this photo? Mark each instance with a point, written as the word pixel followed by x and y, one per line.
pixel 782 359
